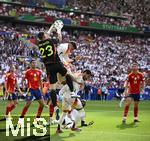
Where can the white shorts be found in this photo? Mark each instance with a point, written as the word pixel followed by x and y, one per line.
pixel 67 104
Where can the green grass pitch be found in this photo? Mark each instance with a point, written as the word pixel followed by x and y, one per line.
pixel 107 125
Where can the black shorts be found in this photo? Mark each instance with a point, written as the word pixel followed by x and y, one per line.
pixel 135 97
pixel 13 96
pixel 53 69
pixel 53 97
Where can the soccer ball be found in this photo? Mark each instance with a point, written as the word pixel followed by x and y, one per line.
pixel 52 122
pixel 58 25
pixel 68 126
pixel 55 122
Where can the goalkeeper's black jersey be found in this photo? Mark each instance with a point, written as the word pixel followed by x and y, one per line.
pixel 48 52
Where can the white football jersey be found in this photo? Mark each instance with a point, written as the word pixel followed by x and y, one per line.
pixel 62 52
pixel 76 115
pixel 65 91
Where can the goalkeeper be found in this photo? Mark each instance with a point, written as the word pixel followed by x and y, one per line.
pixel 52 61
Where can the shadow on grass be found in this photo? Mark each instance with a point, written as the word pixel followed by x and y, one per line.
pixel 125 126
pixel 26 138
pixel 34 138
pixel 2 119
pixel 58 137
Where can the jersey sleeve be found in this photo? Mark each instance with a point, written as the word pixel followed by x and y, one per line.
pixel 62 49
pixel 128 78
pixel 16 81
pixel 142 78
pixel 40 74
pixel 6 77
pixel 61 53
pixel 26 75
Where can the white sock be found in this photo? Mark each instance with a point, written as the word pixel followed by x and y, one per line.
pixel 62 117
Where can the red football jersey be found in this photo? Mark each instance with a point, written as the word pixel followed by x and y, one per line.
pixel 46 86
pixel 33 77
pixel 11 81
pixel 135 80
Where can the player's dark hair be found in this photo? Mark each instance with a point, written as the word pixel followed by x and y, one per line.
pixel 41 35
pixel 135 63
pixel 73 44
pixel 12 68
pixel 88 72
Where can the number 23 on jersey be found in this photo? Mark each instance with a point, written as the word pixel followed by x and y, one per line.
pixel 47 51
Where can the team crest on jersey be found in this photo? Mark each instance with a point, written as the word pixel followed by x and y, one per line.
pixel 35 77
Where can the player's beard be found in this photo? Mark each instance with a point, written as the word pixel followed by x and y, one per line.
pixel 84 78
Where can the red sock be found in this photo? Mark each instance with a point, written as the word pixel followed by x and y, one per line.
pixel 51 110
pixel 126 109
pixel 40 109
pixel 136 111
pixel 24 112
pixel 12 107
pixel 8 110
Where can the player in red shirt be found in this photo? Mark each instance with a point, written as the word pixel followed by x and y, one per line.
pixel 10 87
pixel 46 87
pixel 135 85
pixel 46 93
pixel 33 77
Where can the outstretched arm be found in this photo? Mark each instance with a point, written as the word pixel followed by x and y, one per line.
pixel 56 26
pixel 142 85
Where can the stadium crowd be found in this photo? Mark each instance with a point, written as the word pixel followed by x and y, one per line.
pixel 109 57
pixel 139 21
pixel 136 9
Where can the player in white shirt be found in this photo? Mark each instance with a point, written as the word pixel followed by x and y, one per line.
pixel 125 94
pixel 78 113
pixel 65 50
pixel 68 100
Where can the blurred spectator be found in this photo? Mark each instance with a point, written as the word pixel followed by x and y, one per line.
pixel 134 19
